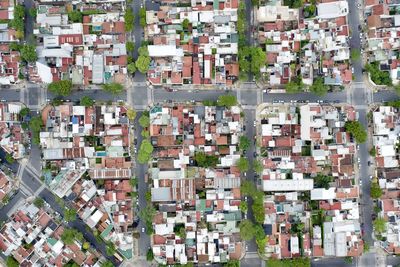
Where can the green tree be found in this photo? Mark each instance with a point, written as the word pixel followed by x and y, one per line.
pixel 292 88
pixel 242 164
pixel 232 263
pixel 38 202
pixel 372 152
pixel 107 264
pixel 86 245
pixel 25 111
pixel 69 235
pixel 113 88
pixel 244 143
pixel 185 24
pixel 28 53
pixel 145 134
pixel 246 230
pixel 318 87
pixel 247 188
pixel 133 181
pixel 204 160
pixel 69 214
pixel 150 255
pixel 146 146
pixel 9 158
pixel 110 249
pixel 322 181
pixel 379 225
pixel 147 215
pixel 142 15
pixel 61 88
pixel 377 76
pixel 35 124
pixel 293 3
pixel 130 46
pixel 87 101
pixel 11 262
pixel 243 206
pixel 143 63
pixel 348 259
pixel 376 191
pixel 75 16
pixel 131 68
pixel 131 113
pixel 129 20
pixel 258 166
pixel 227 100
pixel 144 121
pixel 356 129
pixel 143 51
pixel 355 54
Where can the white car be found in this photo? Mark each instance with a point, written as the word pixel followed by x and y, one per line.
pixel 352 70
pixel 358 160
pixel 255 122
pixel 142 229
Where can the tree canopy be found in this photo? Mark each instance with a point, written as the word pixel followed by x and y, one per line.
pixel 70 234
pixel 322 181
pixel 378 76
pixel 145 151
pixel 131 113
pixel 204 160
pixel 258 166
pixel 35 124
pixel 28 53
pixel 380 225
pixel 11 262
pixel 246 230
pixel 376 190
pixel 318 87
pixel 69 214
pixel 25 111
pixel 75 16
pixel 113 88
pixel 251 59
pixel 356 129
pixel 87 101
pixel 131 68
pixel 143 63
pixel 244 142
pixel 227 100
pixel 130 46
pixel 295 262
pixel 61 88
pixel 144 121
pixel 242 164
pixel 129 20
pixel 38 202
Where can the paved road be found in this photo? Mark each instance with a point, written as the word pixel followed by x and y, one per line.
pixel 360 99
pixel 141 170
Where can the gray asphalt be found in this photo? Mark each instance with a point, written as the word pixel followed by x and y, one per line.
pixel 141 170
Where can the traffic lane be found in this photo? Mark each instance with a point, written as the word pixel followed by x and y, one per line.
pixel 30 181
pixel 10 205
pixel 332 97
pixel 35 158
pixel 253 262
pixel 367 203
pixel 385 95
pixel 33 95
pixel 11 95
pixel 160 95
pixel 141 170
pixel 96 94
pixel 329 262
pixel 139 95
pixel 249 118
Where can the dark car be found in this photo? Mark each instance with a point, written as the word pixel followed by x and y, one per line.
pixel 359 27
pixel 255 154
pixel 369 163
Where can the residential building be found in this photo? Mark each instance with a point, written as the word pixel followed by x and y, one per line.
pixel 13 137
pixel 195 44
pixel 302 46
pixel 89 49
pixel 32 237
pixel 300 146
pixel 198 201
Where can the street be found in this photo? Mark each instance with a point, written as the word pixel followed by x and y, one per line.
pixel 140 96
